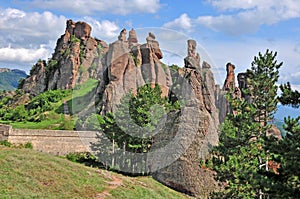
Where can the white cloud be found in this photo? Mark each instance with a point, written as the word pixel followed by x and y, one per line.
pixel 20 28
pixel 87 7
pixel 182 22
pixel 103 29
pixel 9 54
pixel 240 17
pixel 26 37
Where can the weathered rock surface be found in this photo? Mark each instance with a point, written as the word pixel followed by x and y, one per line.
pixel 76 58
pixel 131 65
pixel 220 94
pixel 35 83
pixel 194 131
pixel 193 58
pixel 229 84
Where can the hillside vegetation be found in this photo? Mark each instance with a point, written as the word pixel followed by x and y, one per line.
pixel 25 173
pixel 46 110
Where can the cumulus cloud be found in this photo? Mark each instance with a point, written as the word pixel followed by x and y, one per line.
pixel 122 7
pixel 240 17
pixel 103 29
pixel 182 22
pixel 9 54
pixel 20 28
pixel 26 37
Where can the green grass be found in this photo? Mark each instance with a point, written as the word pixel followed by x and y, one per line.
pixel 77 101
pixel 146 188
pixel 82 97
pixel 53 122
pixel 25 173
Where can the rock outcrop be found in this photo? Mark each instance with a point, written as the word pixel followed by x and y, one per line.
pixel 131 65
pixel 229 84
pixel 220 94
pixel 195 131
pixel 36 82
pixel 76 58
pixel 193 58
pixel 125 65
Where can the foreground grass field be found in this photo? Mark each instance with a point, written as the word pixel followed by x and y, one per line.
pixel 25 173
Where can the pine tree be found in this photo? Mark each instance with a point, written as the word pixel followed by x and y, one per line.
pixel 239 155
pixel 241 159
pixel 263 75
pixel 288 96
pixel 132 126
pixel 287 150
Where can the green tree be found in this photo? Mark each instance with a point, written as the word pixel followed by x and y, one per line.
pixel 288 96
pixel 136 118
pixel 263 75
pixel 238 159
pixel 287 150
pixel 241 158
pixel 20 113
pixel 132 126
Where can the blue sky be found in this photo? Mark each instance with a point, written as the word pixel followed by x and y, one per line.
pixel 226 30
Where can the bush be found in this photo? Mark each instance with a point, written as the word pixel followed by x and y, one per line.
pixel 81 157
pixel 28 145
pixel 5 143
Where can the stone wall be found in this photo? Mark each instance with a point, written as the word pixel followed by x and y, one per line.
pixel 4 132
pixel 55 142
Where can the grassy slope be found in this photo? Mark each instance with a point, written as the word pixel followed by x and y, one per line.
pixel 25 173
pixel 77 101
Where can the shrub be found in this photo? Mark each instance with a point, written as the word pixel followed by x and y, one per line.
pixel 5 143
pixel 28 145
pixel 81 157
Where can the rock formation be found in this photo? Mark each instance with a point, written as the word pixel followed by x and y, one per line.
pixel 75 59
pixel 35 83
pixel 193 58
pixel 229 84
pixel 125 65
pixel 195 130
pixel 131 65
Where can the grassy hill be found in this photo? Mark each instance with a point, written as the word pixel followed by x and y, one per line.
pixel 9 79
pixel 25 173
pixel 46 110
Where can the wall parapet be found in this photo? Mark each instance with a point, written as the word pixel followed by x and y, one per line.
pixel 5 130
pixel 57 142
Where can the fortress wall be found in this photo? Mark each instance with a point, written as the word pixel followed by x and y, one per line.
pixel 4 132
pixel 56 142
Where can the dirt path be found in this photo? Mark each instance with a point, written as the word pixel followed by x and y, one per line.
pixel 113 184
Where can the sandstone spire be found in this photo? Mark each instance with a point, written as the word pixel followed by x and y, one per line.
pixel 132 38
pixel 193 58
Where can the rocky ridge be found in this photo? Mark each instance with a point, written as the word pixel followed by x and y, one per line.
pixel 131 65
pixel 76 58
pixel 122 67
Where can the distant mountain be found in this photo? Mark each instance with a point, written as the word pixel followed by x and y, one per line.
pixel 282 112
pixel 9 79
pixel 285 111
